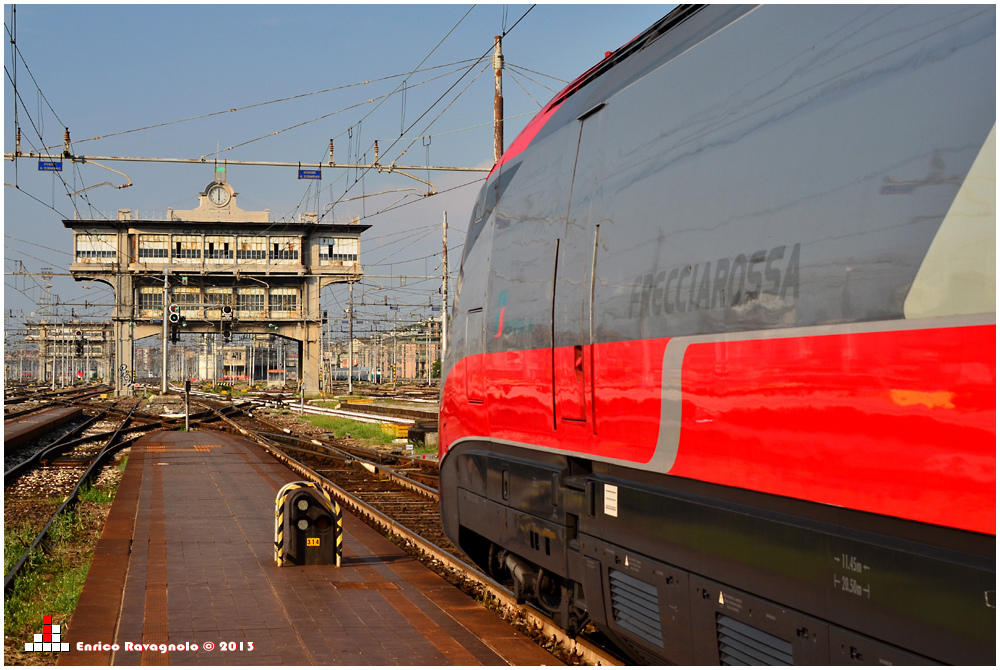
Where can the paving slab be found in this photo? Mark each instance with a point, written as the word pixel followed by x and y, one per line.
pixel 184 574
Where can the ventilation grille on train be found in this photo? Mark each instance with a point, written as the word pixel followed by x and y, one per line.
pixel 636 607
pixel 740 644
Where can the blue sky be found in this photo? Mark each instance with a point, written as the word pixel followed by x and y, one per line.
pixel 106 69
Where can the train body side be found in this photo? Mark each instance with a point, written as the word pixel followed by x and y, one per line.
pixel 730 307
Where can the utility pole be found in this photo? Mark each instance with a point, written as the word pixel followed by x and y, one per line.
pixel 350 340
pixel 166 328
pixel 444 291
pixel 497 102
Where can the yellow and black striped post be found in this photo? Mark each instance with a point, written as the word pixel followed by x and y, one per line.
pixel 279 522
pixel 338 531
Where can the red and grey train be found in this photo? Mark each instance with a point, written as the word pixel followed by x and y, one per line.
pixel 722 366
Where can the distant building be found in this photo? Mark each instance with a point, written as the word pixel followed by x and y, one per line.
pixel 229 271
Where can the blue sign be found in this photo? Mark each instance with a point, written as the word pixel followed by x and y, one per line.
pixel 310 174
pixel 50 166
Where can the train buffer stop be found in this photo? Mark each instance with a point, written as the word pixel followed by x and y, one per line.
pixel 185 573
pixel 308 526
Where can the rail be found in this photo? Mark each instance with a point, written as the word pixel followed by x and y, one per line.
pixel 109 449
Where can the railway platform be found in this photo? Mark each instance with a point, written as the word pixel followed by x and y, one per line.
pixel 22 429
pixel 184 574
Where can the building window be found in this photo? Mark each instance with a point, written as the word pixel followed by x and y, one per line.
pixel 145 252
pixel 187 300
pixel 283 300
pixel 95 246
pixel 186 246
pixel 250 302
pixel 215 298
pixel 154 246
pixel 220 248
pixel 151 299
pixel 284 249
pixel 250 254
pixel 252 249
pixel 343 249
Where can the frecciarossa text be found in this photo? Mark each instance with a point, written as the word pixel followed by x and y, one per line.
pixel 731 282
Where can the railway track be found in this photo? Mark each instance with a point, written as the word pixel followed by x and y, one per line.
pixel 47 483
pixel 61 394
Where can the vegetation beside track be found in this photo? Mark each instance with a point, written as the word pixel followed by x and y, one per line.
pixel 51 583
pixel 370 434
pixel 367 434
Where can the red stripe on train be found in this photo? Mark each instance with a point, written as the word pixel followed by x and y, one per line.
pixel 901 423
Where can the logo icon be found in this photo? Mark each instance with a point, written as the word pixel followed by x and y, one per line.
pixel 500 303
pixel 50 639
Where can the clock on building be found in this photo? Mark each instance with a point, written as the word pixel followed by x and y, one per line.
pixel 218 195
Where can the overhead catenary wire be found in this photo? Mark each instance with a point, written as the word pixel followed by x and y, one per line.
pixel 454 188
pixel 540 74
pixel 429 54
pixel 364 170
pixel 69 192
pixel 15 49
pixel 325 116
pixel 485 53
pixel 258 104
pixel 406 84
pixel 16 56
pixel 468 128
pixel 514 79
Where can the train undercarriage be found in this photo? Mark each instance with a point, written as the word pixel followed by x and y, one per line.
pixel 680 571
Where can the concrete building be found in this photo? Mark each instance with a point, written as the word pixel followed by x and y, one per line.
pixel 226 269
pixel 70 351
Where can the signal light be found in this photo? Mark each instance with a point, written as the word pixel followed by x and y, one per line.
pixel 79 348
pixel 227 310
pixel 79 333
pixel 174 317
pixel 174 309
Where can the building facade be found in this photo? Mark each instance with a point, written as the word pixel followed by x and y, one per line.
pixel 226 270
